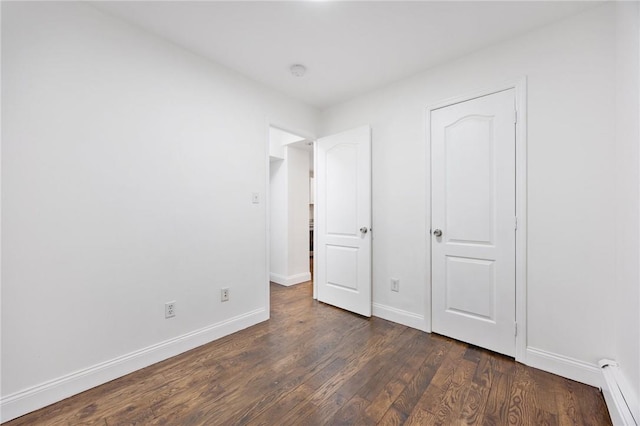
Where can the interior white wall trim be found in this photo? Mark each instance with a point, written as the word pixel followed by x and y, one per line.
pixel 315 214
pixel 399 316
pixel 39 396
pixel 1 174
pixel 564 366
pixel 267 218
pixel 622 404
pixel 520 87
pixel 291 279
pixel 297 131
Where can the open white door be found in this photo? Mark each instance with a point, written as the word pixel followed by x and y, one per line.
pixel 473 221
pixel 343 220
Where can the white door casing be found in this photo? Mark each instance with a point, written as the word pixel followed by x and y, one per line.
pixel 342 223
pixel 473 181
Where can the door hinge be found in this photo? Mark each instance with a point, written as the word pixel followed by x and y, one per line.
pixel 515 116
pixel 516 328
pixel 516 223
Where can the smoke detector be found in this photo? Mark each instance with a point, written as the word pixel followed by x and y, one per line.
pixel 298 70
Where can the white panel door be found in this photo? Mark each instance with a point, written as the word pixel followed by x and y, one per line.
pixel 342 246
pixel 473 221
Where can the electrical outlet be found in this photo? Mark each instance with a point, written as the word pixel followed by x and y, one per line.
pixel 224 295
pixel 395 284
pixel 170 309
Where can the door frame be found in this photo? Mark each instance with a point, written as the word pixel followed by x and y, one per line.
pixel 520 87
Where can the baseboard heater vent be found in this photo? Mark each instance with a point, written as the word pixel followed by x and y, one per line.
pixel 617 395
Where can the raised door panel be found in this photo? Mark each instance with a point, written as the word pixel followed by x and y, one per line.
pixel 341 171
pixel 470 181
pixel 471 287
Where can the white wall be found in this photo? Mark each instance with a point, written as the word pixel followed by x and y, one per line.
pixel 572 177
pixel 278 218
pixel 128 166
pixel 289 212
pixel 627 240
pixel 278 139
pixel 298 161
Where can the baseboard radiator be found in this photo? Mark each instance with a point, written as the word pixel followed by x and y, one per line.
pixel 620 402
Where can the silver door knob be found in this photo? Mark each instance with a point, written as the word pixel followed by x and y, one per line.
pixel 364 230
pixel 437 232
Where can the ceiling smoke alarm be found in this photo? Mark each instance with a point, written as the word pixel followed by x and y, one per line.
pixel 298 70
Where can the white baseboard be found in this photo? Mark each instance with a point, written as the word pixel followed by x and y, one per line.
pixel 564 366
pixel 399 316
pixel 291 279
pixel 621 400
pixel 31 399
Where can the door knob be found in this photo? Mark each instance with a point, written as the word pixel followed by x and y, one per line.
pixel 437 232
pixel 364 230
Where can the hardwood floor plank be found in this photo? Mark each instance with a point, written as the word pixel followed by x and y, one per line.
pixel 449 372
pixel 293 401
pixel 449 408
pixel 568 405
pixel 420 417
pixel 393 417
pixel 314 364
pixel 496 408
pixel 362 380
pixel 283 406
pixel 417 345
pixel 416 387
pixel 485 372
pixel 522 401
pixel 343 386
pixel 351 413
pixel 544 418
pixel 383 401
pixel 545 391
pixel 474 404
pixel 447 369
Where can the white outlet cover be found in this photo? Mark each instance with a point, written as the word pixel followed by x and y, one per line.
pixel 395 284
pixel 170 309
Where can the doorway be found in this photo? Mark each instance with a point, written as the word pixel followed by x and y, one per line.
pixel 336 219
pixel 290 207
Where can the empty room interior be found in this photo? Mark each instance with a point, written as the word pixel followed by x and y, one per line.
pixel 320 212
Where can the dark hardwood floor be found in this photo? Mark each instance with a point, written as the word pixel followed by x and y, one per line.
pixel 313 364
